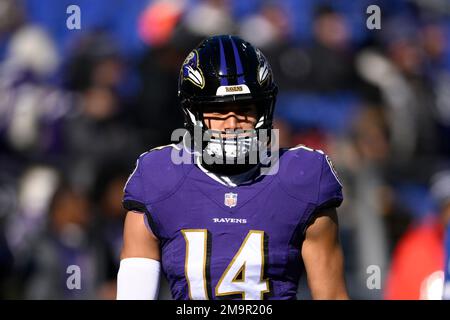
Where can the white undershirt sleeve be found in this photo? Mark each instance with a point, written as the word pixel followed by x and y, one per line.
pixel 138 279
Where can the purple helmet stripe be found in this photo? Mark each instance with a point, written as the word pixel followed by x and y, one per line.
pixel 237 58
pixel 223 66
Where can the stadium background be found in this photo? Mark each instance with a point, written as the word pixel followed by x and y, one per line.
pixel 78 106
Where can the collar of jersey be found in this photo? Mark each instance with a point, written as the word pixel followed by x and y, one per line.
pixel 230 181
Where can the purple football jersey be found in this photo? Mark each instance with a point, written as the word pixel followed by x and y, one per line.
pixel 241 242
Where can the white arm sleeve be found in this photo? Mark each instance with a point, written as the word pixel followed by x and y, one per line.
pixel 138 279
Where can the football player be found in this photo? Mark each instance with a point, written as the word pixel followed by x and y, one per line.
pixel 221 229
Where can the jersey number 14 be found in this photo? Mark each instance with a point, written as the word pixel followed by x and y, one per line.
pixel 243 277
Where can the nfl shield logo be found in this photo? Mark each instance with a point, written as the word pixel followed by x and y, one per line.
pixel 230 199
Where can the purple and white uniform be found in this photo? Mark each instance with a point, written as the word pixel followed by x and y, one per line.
pixel 232 242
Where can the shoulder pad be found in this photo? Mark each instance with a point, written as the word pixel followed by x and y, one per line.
pixel 300 171
pixel 160 175
pixel 309 175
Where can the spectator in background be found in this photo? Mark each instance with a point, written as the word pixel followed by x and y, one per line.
pixel 407 96
pixel 159 19
pixel 270 30
pixel 29 107
pixel 95 131
pixel 28 219
pixel 417 264
pixel 209 17
pixel 267 28
pixel 157 113
pixel 434 41
pixel 328 64
pixel 106 198
pixel 68 240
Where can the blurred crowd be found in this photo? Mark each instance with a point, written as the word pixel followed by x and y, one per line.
pixel 78 106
